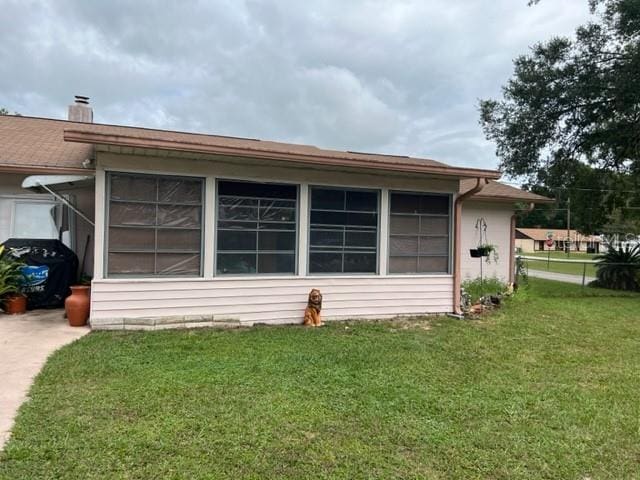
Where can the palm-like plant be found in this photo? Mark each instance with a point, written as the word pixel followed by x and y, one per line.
pixel 619 269
pixel 11 276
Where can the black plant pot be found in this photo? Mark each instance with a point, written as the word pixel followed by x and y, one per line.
pixel 475 253
pixel 483 252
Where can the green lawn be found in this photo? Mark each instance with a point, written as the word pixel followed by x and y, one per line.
pixel 572 268
pixel 545 388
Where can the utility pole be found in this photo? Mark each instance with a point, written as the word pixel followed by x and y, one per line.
pixel 568 242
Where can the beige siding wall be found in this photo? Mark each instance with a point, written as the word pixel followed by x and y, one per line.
pixel 270 300
pixel 498 218
pixel 525 244
pixel 11 184
pixel 252 299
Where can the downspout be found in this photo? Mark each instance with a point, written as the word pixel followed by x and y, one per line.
pixel 457 233
pixel 512 244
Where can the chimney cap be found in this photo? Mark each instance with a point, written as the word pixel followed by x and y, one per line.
pixel 82 99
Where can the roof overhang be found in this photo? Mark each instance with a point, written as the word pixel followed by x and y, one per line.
pixel 44 170
pixel 319 158
pixel 514 199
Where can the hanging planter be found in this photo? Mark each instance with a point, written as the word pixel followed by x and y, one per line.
pixel 475 253
pixel 489 251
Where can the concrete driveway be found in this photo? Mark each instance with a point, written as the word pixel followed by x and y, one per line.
pixel 25 343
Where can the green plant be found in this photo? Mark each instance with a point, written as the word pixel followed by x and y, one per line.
pixel 477 288
pixel 489 251
pixel 11 276
pixel 619 269
pixel 549 384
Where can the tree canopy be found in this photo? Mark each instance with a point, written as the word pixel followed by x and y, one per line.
pixel 569 117
pixel 573 99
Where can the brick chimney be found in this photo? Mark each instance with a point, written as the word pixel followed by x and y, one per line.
pixel 80 111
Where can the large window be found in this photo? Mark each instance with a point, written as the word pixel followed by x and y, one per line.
pixel 343 231
pixel 155 225
pixel 419 233
pixel 256 228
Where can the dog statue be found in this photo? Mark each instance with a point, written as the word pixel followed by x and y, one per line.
pixel 312 312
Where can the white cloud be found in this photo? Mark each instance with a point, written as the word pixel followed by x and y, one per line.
pixel 375 75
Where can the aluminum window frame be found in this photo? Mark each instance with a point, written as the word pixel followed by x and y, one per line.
pixel 257 252
pixel 378 192
pixel 450 252
pixel 107 206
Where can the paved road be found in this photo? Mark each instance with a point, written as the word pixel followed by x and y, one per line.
pixel 560 277
pixel 25 343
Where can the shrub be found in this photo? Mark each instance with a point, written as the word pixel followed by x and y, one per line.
pixel 619 269
pixel 11 277
pixel 489 286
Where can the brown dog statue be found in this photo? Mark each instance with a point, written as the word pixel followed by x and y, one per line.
pixel 312 312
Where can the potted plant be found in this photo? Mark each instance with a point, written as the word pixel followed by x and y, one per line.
pixel 489 251
pixel 11 281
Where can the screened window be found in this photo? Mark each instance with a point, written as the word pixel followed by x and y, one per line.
pixel 419 233
pixel 256 228
pixel 343 235
pixel 155 225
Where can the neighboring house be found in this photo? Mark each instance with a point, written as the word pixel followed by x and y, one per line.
pixel 192 227
pixel 530 240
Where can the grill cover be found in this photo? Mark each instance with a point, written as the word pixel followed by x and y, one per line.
pixel 51 268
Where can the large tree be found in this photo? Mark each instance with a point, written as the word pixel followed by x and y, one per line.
pixel 574 103
pixel 573 99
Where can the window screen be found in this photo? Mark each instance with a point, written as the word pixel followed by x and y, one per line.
pixel 343 236
pixel 155 225
pixel 256 228
pixel 419 233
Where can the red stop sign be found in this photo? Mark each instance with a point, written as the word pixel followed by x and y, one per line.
pixel 549 242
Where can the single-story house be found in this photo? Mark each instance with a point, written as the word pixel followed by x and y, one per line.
pixel 530 240
pixel 187 227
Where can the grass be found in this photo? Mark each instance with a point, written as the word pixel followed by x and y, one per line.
pixel 571 268
pixel 545 388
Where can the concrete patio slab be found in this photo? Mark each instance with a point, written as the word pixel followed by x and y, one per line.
pixel 25 343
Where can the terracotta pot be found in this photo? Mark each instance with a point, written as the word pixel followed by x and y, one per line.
pixel 76 305
pixel 15 304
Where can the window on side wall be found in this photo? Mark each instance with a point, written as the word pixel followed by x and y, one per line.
pixel 343 234
pixel 154 225
pixel 256 228
pixel 419 233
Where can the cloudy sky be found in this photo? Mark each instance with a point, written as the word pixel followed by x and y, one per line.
pixel 388 76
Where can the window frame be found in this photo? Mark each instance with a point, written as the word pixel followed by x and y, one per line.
pixel 107 215
pixel 378 192
pixel 216 204
pixel 450 252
